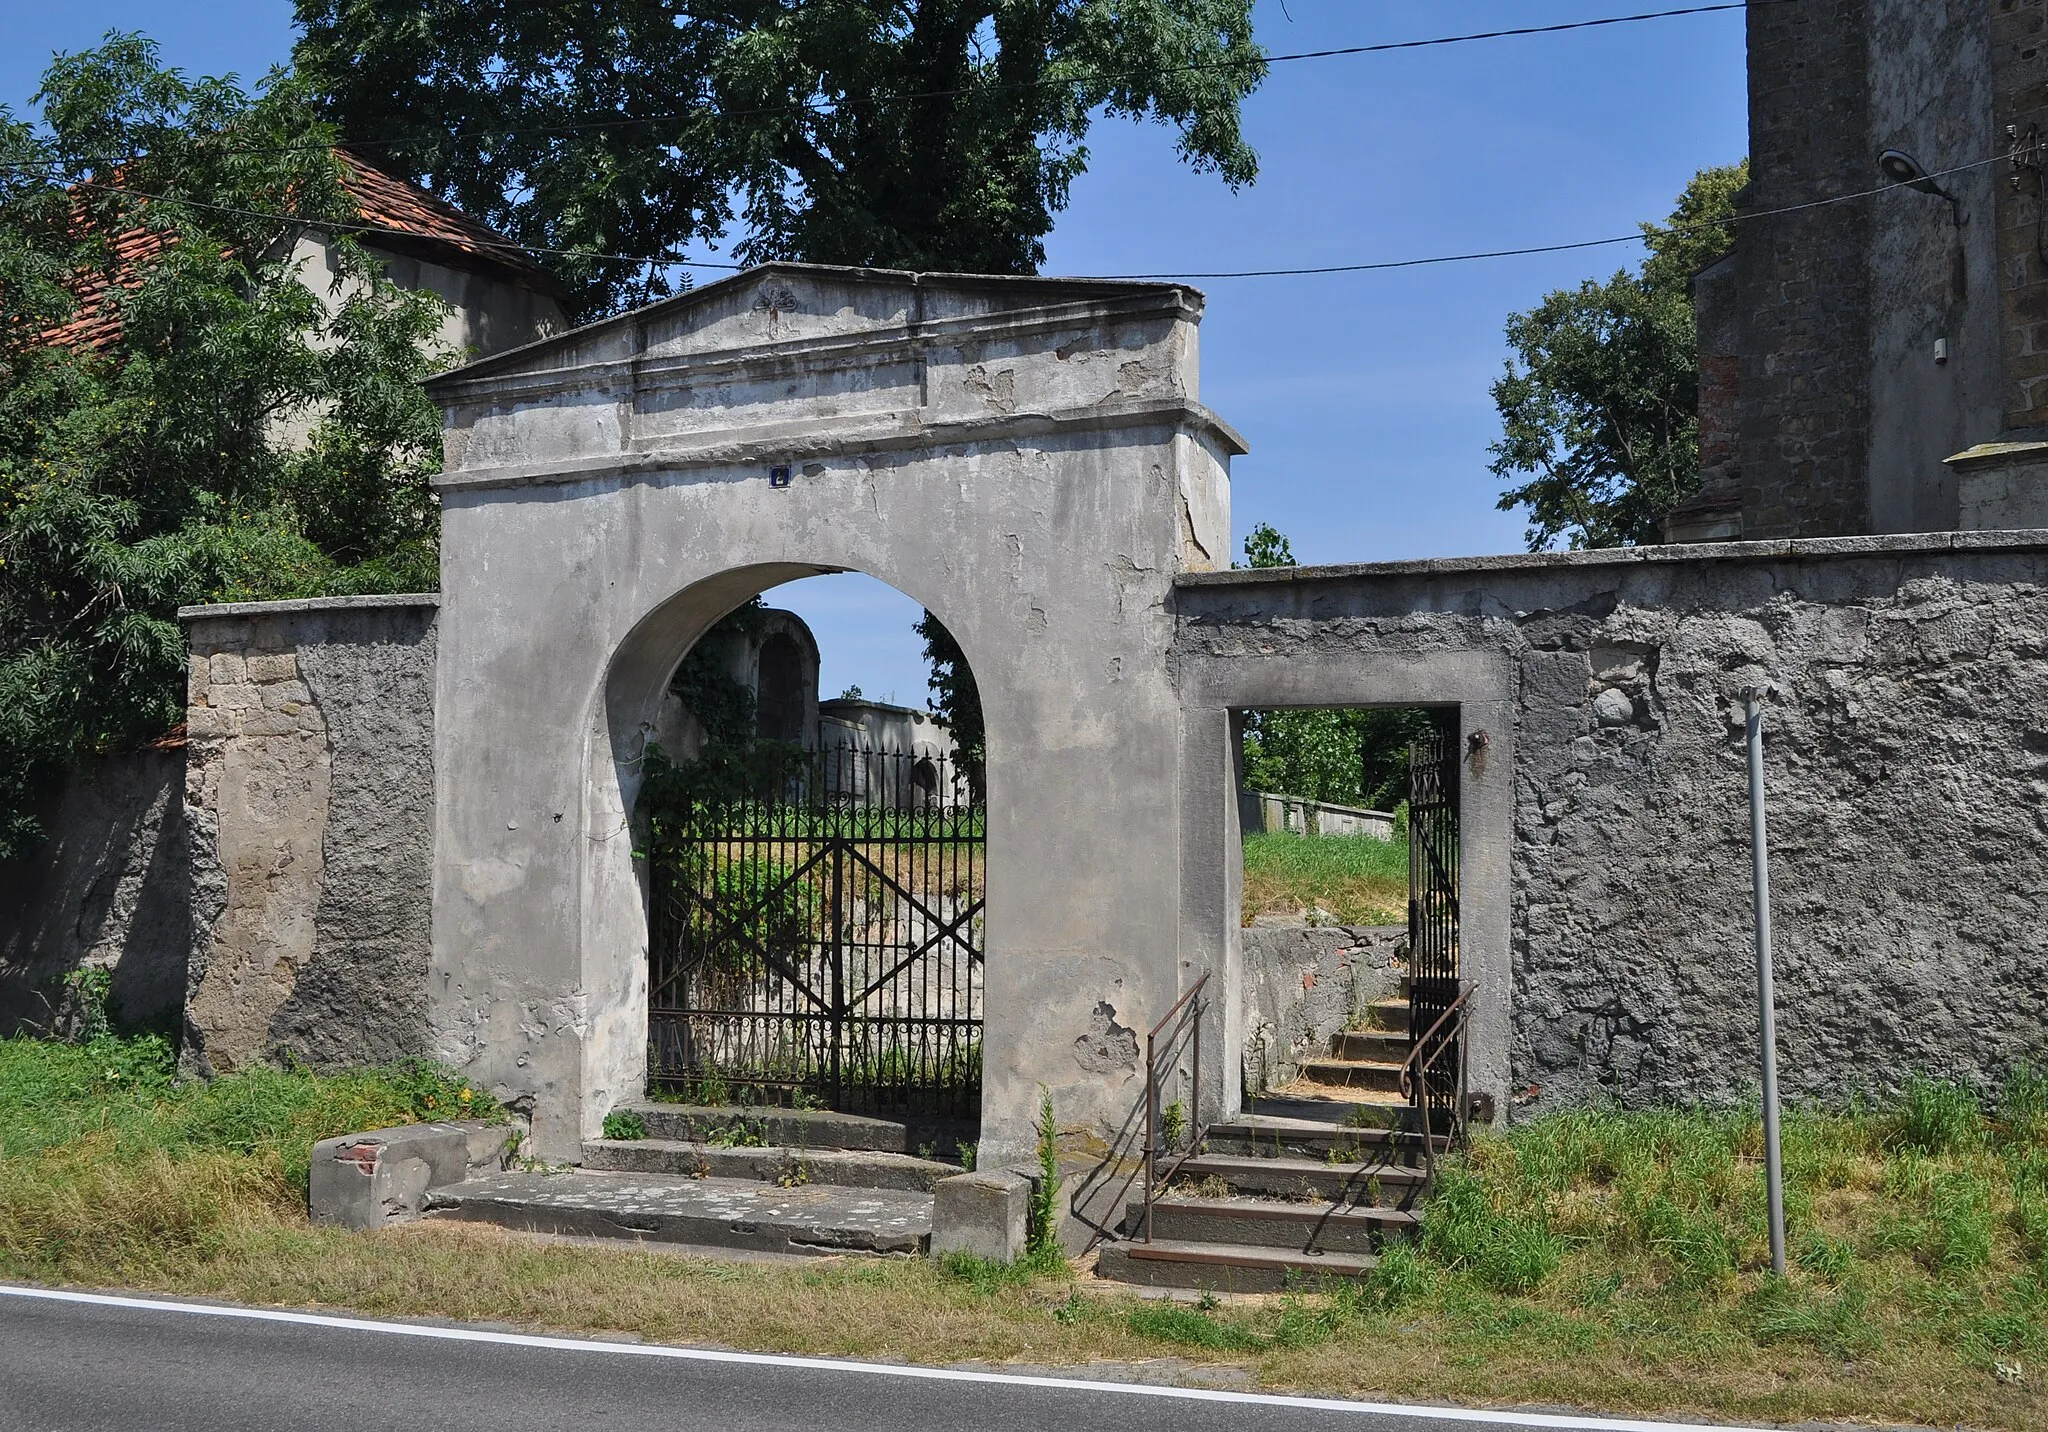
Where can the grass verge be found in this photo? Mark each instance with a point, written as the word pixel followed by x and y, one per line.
pixel 1607 1259
pixel 1354 880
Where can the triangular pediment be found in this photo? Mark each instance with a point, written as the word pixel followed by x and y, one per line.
pixel 798 304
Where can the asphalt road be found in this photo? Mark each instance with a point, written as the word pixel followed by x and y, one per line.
pixel 77 1362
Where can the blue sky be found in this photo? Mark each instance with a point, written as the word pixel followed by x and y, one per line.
pixel 1364 396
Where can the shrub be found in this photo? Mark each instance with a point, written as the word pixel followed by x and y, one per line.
pixel 625 1125
pixel 1043 1238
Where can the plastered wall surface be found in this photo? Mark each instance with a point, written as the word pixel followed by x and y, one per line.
pixel 1907 762
pixel 1026 458
pixel 309 797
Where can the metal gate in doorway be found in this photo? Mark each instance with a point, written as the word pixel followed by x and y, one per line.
pixel 1433 976
pixel 817 939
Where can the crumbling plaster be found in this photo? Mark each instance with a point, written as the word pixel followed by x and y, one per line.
pixel 308 791
pixel 1026 458
pixel 1907 761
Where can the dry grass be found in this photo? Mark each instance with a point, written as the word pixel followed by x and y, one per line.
pixel 1473 1347
pixel 1353 880
pixel 1606 1260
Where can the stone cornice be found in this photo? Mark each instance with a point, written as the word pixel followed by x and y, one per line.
pixel 894 431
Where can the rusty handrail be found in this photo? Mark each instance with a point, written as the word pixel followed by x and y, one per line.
pixel 1196 1128
pixel 1415 1076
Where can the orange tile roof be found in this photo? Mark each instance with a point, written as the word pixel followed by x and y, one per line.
pixel 391 203
pixel 408 219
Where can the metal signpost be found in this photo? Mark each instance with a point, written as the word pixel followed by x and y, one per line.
pixel 1760 861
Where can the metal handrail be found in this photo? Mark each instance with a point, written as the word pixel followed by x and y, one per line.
pixel 1415 1077
pixel 1196 1128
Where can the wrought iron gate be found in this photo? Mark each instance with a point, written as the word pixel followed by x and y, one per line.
pixel 821 940
pixel 1433 982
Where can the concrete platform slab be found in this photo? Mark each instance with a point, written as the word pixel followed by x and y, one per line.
pixel 716 1212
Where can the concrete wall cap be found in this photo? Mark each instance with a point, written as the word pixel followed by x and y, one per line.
pixel 307 604
pixel 1996 455
pixel 2020 540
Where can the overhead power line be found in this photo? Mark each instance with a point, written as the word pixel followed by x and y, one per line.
pixel 1071 81
pixel 1373 266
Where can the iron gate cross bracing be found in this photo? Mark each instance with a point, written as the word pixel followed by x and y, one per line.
pixel 819 939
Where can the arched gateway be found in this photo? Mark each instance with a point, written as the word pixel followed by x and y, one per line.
pixel 1026 457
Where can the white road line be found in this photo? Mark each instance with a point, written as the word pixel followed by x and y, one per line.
pixel 876 1369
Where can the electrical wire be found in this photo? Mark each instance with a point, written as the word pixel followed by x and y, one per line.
pixel 1376 266
pixel 1093 77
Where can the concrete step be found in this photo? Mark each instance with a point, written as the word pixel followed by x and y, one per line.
pixel 1377 1075
pixel 1389 1014
pixel 1333 1107
pixel 843 1168
pixel 1268 1136
pixel 1223 1268
pixel 1362 1182
pixel 1263 1223
pixel 802 1128
pixel 712 1212
pixel 1382 1046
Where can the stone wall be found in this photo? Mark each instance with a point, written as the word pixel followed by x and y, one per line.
pixel 309 792
pixel 1803 278
pixel 2019 67
pixel 1303 984
pixel 109 890
pixel 1907 762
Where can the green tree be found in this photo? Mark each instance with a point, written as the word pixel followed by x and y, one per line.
pixel 958 701
pixel 925 134
pixel 1268 547
pixel 147 471
pixel 1600 403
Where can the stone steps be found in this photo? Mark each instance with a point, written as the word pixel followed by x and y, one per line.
pixel 1264 1223
pixel 1380 1046
pixel 708 1212
pixel 843 1168
pixel 1388 1185
pixel 1375 1075
pixel 810 1129
pixel 1267 1136
pixel 1388 1014
pixel 1224 1268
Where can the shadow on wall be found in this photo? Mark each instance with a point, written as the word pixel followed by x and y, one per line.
pixel 111 891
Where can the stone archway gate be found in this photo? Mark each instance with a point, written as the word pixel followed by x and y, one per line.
pixel 1027 458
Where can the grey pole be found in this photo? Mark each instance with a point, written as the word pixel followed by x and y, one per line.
pixel 1760 864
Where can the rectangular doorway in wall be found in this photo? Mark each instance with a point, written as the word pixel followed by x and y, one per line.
pixel 1349 822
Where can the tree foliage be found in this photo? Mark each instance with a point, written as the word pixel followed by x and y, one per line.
pixel 1600 403
pixel 958 702
pixel 153 470
pixel 925 134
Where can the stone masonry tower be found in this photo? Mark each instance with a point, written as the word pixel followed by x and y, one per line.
pixel 1880 364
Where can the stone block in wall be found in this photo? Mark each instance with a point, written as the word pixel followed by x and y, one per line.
pixel 373 1179
pixel 310 792
pixel 2002 487
pixel 983 1214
